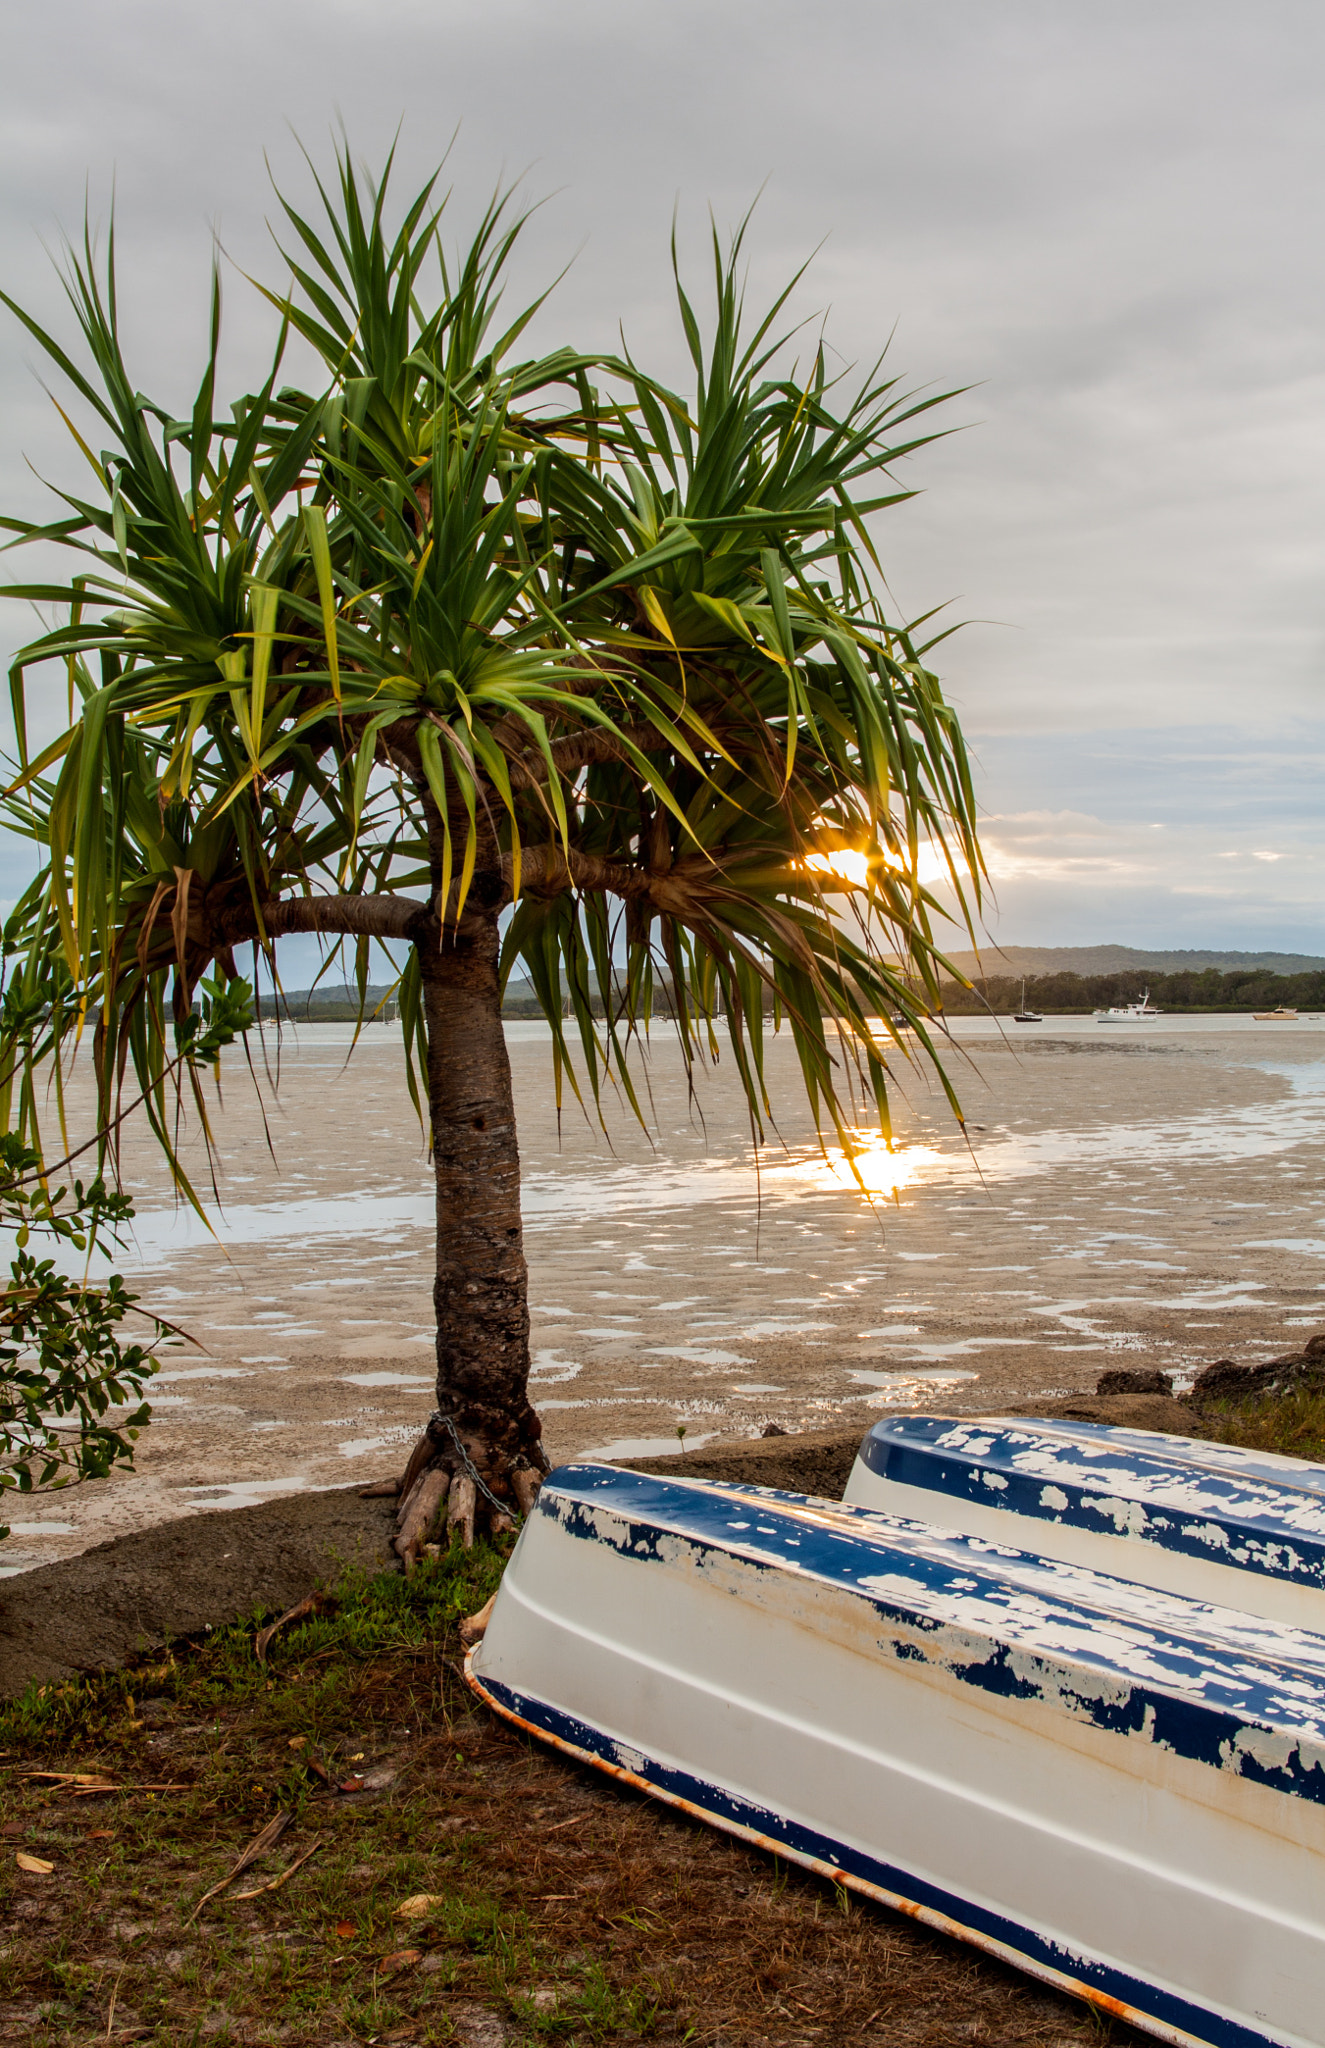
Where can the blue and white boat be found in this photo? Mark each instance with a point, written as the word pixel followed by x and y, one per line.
pixel 1107 1778
pixel 1243 1529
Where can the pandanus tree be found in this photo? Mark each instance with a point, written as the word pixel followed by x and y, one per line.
pixel 490 659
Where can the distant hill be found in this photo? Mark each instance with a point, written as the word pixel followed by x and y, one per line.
pixel 329 1003
pixel 1010 960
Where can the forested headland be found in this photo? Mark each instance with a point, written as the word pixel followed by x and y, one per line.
pixel 1069 995
pixel 1054 995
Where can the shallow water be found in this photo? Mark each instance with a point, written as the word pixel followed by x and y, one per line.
pixel 1129 1194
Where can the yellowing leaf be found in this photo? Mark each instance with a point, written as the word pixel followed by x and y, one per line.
pixel 415 1908
pixel 36 1866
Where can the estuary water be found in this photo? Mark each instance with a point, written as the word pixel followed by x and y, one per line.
pixel 1124 1194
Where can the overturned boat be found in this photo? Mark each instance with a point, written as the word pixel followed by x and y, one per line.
pixel 1243 1529
pixel 1092 1766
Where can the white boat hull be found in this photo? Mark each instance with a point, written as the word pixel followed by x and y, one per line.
pixel 1118 1790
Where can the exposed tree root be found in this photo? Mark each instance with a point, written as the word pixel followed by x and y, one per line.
pixel 423 1454
pixel 461 1508
pixel 525 1483
pixel 483 1488
pixel 474 1626
pixel 312 1603
pixel 417 1514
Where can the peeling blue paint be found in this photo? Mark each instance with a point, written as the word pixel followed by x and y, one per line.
pixel 1256 1512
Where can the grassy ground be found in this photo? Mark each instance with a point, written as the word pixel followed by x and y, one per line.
pixel 1292 1424
pixel 556 1908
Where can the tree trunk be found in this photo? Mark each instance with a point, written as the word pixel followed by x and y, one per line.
pixel 484 1433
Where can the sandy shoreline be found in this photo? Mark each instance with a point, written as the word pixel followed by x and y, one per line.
pixel 1155 1198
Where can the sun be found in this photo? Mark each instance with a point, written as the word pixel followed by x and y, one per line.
pixel 845 864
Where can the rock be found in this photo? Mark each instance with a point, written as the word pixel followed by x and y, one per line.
pixel 1225 1380
pixel 773 1429
pixel 1118 1380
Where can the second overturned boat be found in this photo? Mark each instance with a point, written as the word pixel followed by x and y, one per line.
pixel 1116 1785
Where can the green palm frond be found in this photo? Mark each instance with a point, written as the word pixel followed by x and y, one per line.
pixel 467 632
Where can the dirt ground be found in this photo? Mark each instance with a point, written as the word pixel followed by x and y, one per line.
pixel 462 1884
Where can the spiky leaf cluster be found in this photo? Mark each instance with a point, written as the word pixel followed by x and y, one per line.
pixel 464 630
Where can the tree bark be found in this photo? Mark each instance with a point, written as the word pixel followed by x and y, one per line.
pixel 480 1293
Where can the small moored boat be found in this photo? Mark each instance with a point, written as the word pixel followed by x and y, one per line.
pixel 1116 1785
pixel 1129 1013
pixel 1279 1016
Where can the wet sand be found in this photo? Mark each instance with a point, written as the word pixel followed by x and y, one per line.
pixel 1136 1196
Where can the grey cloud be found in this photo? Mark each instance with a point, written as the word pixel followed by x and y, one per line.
pixel 1107 218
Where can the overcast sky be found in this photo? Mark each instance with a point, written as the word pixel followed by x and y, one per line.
pixel 1105 215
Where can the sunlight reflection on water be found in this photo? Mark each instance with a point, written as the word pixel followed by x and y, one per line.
pixel 871 1170
pixel 870 1167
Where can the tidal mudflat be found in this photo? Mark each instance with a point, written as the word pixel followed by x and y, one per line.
pixel 1130 1195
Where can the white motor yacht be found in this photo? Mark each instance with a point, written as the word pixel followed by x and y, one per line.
pixel 1129 1013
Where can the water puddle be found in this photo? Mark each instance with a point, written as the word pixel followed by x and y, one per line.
pixel 550 1369
pixel 957 1347
pixel 248 1493
pixel 646 1447
pixel 386 1379
pixel 203 1372
pixel 360 1446
pixel 938 1375
pixel 779 1326
pixel 695 1354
